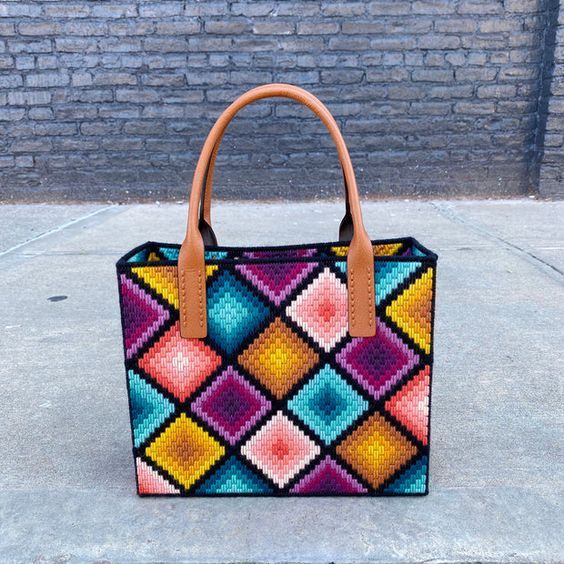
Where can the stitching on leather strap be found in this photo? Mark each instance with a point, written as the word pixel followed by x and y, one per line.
pixel 370 294
pixel 351 297
pixel 200 299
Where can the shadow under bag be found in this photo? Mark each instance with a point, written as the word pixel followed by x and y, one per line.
pixel 278 371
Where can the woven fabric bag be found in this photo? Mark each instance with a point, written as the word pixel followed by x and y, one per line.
pixel 283 371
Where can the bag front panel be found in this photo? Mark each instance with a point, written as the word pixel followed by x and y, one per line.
pixel 278 399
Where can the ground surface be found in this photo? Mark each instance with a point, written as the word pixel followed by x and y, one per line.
pixel 66 472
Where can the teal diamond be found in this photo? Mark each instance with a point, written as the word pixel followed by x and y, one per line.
pixel 141 256
pixel 233 477
pixel 234 312
pixel 389 275
pixel 215 255
pixel 149 408
pixel 170 253
pixel 342 266
pixel 413 480
pixel 327 404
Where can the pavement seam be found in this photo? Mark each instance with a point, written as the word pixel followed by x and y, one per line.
pixel 57 229
pixel 448 212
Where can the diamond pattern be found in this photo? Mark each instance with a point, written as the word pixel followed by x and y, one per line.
pixel 280 449
pixel 413 480
pixel 151 482
pixel 277 280
pixel 327 404
pixel 321 310
pixel 376 450
pixel 142 316
pixel 379 362
pixel 185 450
pixel 279 399
pixel 389 275
pixel 179 365
pixel 231 405
pixel 234 312
pixel 278 358
pixel 149 408
pixel 163 280
pixel 234 477
pixel 410 404
pixel 329 478
pixel 411 310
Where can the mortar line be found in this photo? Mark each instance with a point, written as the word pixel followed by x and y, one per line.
pixel 57 229
pixel 448 212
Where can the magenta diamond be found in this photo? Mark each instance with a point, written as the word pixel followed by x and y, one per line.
pixel 277 280
pixel 328 478
pixel 231 405
pixel 378 363
pixel 142 315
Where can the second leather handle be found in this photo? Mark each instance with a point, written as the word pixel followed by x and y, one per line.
pixel 360 256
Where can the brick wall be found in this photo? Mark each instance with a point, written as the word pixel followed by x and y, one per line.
pixel 113 99
pixel 552 167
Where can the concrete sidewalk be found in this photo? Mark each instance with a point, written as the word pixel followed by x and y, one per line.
pixel 66 471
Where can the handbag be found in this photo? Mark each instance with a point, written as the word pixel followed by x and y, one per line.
pixel 278 371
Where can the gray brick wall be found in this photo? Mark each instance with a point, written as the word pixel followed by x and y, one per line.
pixel 552 167
pixel 113 99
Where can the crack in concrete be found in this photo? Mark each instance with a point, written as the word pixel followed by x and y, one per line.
pixel 448 212
pixel 57 229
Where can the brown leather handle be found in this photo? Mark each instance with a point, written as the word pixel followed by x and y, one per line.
pixel 360 257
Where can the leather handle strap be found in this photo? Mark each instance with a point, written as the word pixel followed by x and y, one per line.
pixel 345 228
pixel 360 257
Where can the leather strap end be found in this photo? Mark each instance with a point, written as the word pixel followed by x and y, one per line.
pixel 362 308
pixel 193 320
pixel 192 289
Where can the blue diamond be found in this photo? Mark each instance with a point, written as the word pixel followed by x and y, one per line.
pixel 149 408
pixel 327 404
pixel 233 477
pixel 389 275
pixel 234 312
pixel 413 480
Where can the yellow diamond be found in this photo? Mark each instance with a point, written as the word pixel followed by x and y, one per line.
pixel 162 279
pixel 388 249
pixel 278 358
pixel 376 450
pixel 185 450
pixel 411 310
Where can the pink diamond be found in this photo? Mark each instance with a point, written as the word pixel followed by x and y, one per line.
pixel 321 310
pixel 179 365
pixel 151 482
pixel 280 449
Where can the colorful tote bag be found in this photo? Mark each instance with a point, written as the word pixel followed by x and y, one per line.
pixel 278 371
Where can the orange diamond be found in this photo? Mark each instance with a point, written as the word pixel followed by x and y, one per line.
pixel 278 358
pixel 185 450
pixel 376 450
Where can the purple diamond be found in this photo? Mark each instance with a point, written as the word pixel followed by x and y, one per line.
pixel 277 280
pixel 328 478
pixel 378 363
pixel 231 405
pixel 142 315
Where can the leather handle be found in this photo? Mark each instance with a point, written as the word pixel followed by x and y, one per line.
pixel 360 257
pixel 345 228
